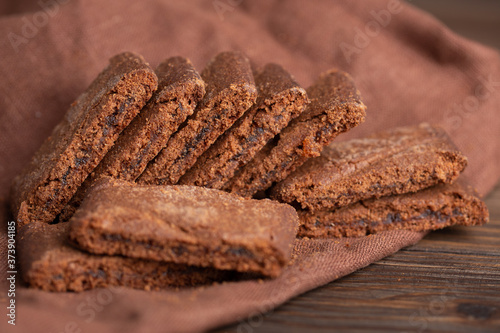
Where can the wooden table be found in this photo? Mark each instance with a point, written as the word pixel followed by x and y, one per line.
pixel 448 282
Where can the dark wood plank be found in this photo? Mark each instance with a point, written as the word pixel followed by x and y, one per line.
pixel 448 282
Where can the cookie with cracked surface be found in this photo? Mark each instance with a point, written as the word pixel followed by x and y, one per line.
pixel 335 108
pixel 187 225
pixel 47 261
pixel 84 136
pixel 230 92
pixel 180 88
pixel 401 160
pixel 433 208
pixel 280 99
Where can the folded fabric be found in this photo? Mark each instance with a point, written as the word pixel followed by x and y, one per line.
pixel 408 67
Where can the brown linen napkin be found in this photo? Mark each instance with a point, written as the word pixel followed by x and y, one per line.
pixel 409 69
pixel 315 263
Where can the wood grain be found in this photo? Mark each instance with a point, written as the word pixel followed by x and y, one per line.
pixel 448 282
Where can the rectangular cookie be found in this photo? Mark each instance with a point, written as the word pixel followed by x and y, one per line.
pixel 186 225
pixel 433 208
pixel 401 160
pixel 180 88
pixel 49 262
pixel 79 142
pixel 279 100
pixel 335 107
pixel 230 92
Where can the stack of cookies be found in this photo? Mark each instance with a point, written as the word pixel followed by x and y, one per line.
pixel 151 237
pixel 403 178
pixel 150 179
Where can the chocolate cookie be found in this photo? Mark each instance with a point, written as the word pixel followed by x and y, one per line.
pixel 230 92
pixel 180 88
pixel 187 225
pixel 401 160
pixel 280 99
pixel 433 208
pixel 79 142
pixel 48 262
pixel 335 107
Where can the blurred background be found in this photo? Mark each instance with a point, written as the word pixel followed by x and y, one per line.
pixel 475 19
